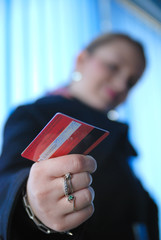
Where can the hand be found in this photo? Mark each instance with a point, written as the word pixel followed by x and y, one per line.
pixel 45 191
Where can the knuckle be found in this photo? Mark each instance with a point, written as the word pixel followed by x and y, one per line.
pixel 91 210
pixel 39 195
pixel 78 163
pixel 93 162
pixel 88 195
pixel 88 178
pixel 59 227
pixel 35 171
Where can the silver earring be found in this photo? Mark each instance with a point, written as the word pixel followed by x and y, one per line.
pixel 113 115
pixel 76 76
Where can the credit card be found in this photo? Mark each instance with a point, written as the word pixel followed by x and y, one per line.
pixel 64 135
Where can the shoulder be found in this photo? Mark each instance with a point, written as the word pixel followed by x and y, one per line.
pixel 43 102
pixel 37 114
pixel 36 108
pixel 51 100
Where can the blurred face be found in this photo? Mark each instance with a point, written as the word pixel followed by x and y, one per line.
pixel 108 74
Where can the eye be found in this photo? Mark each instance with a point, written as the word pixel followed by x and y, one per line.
pixel 112 67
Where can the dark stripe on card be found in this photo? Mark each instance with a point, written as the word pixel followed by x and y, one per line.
pixel 96 143
pixel 86 142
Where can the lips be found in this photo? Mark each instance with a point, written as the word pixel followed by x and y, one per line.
pixel 110 93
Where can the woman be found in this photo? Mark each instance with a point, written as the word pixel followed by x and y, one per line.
pixel 112 206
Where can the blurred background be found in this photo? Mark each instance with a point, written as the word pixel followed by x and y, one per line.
pixel 39 40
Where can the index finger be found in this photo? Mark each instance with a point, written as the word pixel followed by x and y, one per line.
pixel 73 163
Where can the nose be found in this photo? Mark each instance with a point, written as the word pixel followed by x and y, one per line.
pixel 119 83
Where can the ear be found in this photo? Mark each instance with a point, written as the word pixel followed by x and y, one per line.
pixel 81 59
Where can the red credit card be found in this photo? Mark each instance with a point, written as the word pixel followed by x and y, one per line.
pixel 64 135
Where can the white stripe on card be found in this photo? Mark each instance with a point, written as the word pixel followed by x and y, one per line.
pixel 57 143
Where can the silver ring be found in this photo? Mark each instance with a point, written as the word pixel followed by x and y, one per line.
pixel 67 184
pixel 71 198
pixel 65 187
pixel 68 189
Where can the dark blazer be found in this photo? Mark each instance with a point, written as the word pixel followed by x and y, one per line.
pixel 123 209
